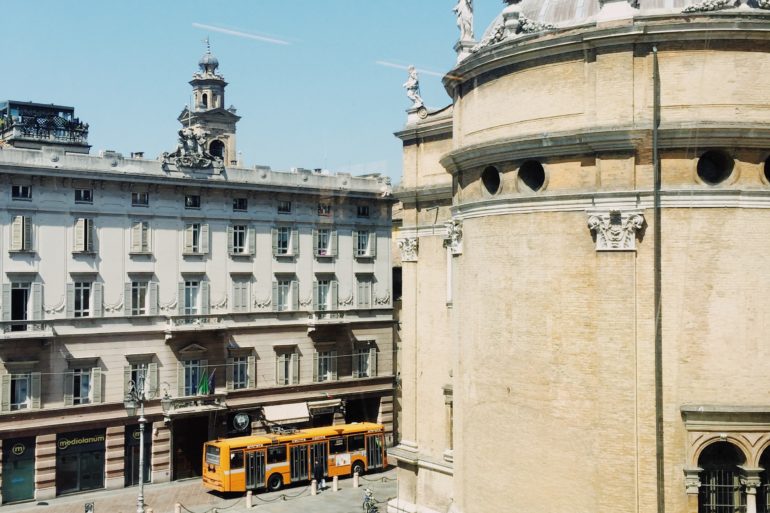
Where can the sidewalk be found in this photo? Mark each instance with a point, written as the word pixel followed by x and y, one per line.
pixel 195 499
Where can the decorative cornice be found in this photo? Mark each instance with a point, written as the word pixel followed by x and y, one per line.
pixel 409 248
pixel 411 196
pixel 615 230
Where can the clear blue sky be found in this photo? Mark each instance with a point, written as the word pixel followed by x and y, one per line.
pixel 320 101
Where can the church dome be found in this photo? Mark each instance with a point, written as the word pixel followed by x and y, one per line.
pixel 208 63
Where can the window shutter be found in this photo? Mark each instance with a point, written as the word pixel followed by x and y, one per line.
pixel 205 303
pixel 355 242
pixel 127 298
pixel 251 234
pixel 78 240
pixel 295 295
pixel 6 301
pixel 136 236
pixel 372 244
pixel 17 227
pixel 96 385
pixel 230 244
pixel 334 365
pixel 152 377
pixel 188 238
pixel 315 367
pixel 294 368
pixel 275 296
pixel 274 234
pixel 70 309
pixel 179 379
pixel 295 242
pixel 97 288
pixel 229 373
pixel 27 233
pixel 315 295
pixel 5 392
pixel 126 379
pixel 251 371
pixel 236 295
pixel 315 242
pixel 152 307
pixel 69 382
pixel 335 295
pixel 280 367
pixel 34 385
pixel 333 243
pixel 146 236
pixel 90 234
pixel 180 298
pixel 37 301
pixel 372 362
pixel 204 239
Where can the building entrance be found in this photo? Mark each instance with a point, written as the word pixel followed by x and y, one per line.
pixel 18 469
pixel 131 470
pixel 188 436
pixel 79 461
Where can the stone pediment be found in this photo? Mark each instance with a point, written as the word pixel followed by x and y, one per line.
pixel 218 114
pixel 192 349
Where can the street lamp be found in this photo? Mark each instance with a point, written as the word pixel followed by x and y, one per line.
pixel 137 395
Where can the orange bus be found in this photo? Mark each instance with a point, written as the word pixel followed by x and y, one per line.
pixel 272 461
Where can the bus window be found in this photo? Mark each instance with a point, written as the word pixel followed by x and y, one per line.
pixel 236 459
pixel 276 454
pixel 356 443
pixel 212 455
pixel 337 445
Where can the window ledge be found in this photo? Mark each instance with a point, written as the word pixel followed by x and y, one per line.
pixel 140 253
pixel 21 251
pixel 81 252
pixel 240 255
pixel 197 254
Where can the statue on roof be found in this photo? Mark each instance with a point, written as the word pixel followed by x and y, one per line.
pixel 191 150
pixel 464 12
pixel 412 86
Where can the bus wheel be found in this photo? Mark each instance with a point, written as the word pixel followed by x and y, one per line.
pixel 357 467
pixel 274 483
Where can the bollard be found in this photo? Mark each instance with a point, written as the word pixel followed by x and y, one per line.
pixel 177 508
pixel 313 487
pixel 335 484
pixel 248 500
pixel 355 480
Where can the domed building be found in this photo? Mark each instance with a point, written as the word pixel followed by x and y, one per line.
pixel 585 246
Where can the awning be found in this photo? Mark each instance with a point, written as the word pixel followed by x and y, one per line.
pixel 287 413
pixel 320 407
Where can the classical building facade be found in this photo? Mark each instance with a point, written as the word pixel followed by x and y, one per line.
pixel 584 250
pixel 253 299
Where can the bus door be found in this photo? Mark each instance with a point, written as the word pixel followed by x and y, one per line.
pixel 299 463
pixel 318 452
pixel 374 451
pixel 255 469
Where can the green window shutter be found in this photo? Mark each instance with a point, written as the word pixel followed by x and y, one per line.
pixel 126 379
pixel 372 244
pixel 180 298
pixel 251 234
pixel 17 233
pixel 70 292
pixel 37 301
pixel 96 385
pixel 153 379
pixel 80 234
pixel 295 242
pixel 315 295
pixel 97 289
pixel 315 242
pixel 6 301
pixel 69 382
pixel 334 365
pixel 295 295
pixel 372 361
pixel 275 296
pixel 35 390
pixel 5 392
pixel 280 367
pixel 127 298
pixel 251 371
pixel 333 243
pixel 294 368
pixel 335 295
pixel 204 239
pixel 27 233
pixel 315 367
pixel 230 244
pixel 179 379
pixel 188 238
pixel 152 307
pixel 205 302
pixel 229 373
pixel 274 234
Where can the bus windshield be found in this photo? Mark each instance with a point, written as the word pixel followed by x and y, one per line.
pixel 212 454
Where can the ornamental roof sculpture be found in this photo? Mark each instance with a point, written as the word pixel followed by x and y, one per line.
pixel 191 151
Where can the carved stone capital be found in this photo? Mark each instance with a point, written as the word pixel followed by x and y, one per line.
pixel 454 237
pixel 408 247
pixel 750 478
pixel 692 479
pixel 615 230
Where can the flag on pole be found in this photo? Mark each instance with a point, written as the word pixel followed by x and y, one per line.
pixel 203 383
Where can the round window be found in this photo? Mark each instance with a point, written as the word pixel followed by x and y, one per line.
pixel 491 180
pixel 532 175
pixel 715 167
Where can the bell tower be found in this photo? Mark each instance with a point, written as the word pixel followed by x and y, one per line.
pixel 208 109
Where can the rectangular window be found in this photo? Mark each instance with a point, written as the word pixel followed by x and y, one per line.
pixel 240 204
pixel 192 201
pixel 356 443
pixel 192 376
pixel 240 372
pixel 241 294
pixel 140 237
pixel 140 199
pixel 322 298
pixel 362 211
pixel 287 368
pixel 337 445
pixel 20 391
pixel 323 242
pixel 21 233
pixel 193 243
pixel 191 292
pixel 284 240
pixel 239 239
pixel 139 297
pixel 84 236
pixel 326 366
pixel 284 207
pixel 84 196
pixel 81 387
pixel 284 295
pixel 362 243
pixel 139 375
pixel 324 209
pixel 82 299
pixel 20 304
pixel 212 455
pixel 364 296
pixel 21 192
pixel 364 361
pixel 276 454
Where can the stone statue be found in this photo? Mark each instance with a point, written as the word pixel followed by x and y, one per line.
pixel 464 12
pixel 191 149
pixel 412 86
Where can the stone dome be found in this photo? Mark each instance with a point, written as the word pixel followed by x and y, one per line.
pixel 208 63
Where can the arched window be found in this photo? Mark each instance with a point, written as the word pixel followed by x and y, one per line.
pixel 763 492
pixel 720 482
pixel 217 148
pixel 205 101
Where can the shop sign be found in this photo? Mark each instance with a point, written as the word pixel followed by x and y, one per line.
pixel 18 449
pixel 79 440
pixel 241 421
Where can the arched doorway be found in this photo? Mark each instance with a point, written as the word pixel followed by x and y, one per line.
pixel 720 489
pixel 217 148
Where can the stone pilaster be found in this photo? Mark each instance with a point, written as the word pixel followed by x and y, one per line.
pixel 45 467
pixel 115 456
pixel 161 452
pixel 751 481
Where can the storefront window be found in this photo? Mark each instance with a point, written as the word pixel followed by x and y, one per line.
pixel 79 461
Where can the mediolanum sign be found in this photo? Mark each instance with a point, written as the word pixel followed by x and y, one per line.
pixel 81 440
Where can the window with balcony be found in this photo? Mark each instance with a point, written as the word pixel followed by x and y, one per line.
pixel 191 297
pixel 195 377
pixel 22 301
pixel 240 204
pixel 241 372
pixel 285 242
pixel 84 236
pixel 325 293
pixel 287 367
pixel 364 244
pixel 84 299
pixel 82 291
pixel 84 196
pixel 241 240
pixel 140 199
pixel 285 294
pixel 325 366
pixel 194 297
pixel 142 372
pixel 21 192
pixel 192 201
pixel 325 242
pixel 140 297
pixel 21 234
pixel 140 237
pixel 196 239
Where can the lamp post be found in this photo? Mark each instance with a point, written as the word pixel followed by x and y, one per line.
pixel 136 395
